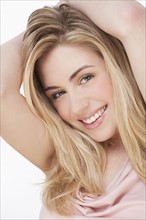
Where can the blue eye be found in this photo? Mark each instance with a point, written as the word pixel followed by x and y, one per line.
pixel 57 94
pixel 86 78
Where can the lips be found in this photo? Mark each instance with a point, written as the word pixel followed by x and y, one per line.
pixel 95 119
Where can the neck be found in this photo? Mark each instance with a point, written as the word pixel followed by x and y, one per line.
pixel 115 157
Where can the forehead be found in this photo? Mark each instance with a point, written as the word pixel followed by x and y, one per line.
pixel 64 60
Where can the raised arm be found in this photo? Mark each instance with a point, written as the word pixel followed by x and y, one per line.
pixel 19 127
pixel 126 21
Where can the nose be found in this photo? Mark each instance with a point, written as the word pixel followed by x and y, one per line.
pixel 79 104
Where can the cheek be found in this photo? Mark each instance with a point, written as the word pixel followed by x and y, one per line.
pixel 62 109
pixel 103 87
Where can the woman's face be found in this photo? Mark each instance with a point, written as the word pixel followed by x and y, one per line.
pixel 80 88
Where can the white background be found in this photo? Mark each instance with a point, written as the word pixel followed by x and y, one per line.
pixel 20 179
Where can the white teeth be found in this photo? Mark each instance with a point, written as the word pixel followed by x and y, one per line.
pixel 94 117
pixel 97 115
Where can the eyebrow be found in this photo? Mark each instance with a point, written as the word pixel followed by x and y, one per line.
pixel 71 77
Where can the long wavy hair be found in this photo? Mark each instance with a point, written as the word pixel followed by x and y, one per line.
pixel 79 161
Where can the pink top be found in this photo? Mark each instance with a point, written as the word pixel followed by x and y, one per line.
pixel 125 198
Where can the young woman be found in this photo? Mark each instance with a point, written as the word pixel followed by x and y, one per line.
pixel 83 112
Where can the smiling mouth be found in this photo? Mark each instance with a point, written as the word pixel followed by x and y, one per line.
pixel 96 116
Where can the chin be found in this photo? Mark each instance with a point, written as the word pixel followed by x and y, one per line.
pixel 103 136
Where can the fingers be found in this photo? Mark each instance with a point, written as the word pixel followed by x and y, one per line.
pixel 62 2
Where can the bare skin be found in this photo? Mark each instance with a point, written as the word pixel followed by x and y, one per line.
pixel 127 23
pixel 17 121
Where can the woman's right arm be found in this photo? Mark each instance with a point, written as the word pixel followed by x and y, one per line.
pixel 19 127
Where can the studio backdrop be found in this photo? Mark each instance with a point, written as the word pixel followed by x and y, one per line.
pixel 21 181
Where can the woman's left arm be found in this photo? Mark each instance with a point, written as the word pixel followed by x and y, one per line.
pixel 126 21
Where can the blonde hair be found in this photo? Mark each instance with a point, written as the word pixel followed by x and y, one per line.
pixel 79 162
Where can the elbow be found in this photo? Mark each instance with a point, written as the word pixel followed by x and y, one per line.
pixel 134 18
